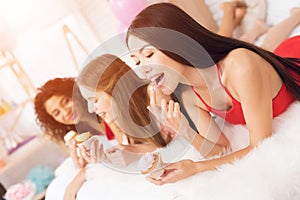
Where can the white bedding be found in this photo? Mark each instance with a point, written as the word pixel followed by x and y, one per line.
pixel 269 172
pixel 107 183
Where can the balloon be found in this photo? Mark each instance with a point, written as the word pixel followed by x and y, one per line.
pixel 126 10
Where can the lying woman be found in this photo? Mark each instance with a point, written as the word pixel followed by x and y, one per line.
pixel 241 83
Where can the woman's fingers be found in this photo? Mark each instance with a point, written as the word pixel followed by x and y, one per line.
pixel 93 151
pixel 76 155
pixel 152 96
pixel 176 109
pixel 166 177
pixel 72 147
pixel 102 155
pixel 175 171
pixel 113 149
pixel 170 109
pixel 173 109
pixel 163 105
pixel 168 114
pixel 85 154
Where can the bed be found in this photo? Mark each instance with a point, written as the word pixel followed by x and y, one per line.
pixel 269 172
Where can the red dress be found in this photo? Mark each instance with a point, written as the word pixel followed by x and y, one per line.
pixel 289 48
pixel 109 134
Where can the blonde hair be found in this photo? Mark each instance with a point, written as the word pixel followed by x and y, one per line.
pixel 110 74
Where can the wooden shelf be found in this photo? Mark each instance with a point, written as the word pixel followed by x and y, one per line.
pixel 12 121
pixel 15 109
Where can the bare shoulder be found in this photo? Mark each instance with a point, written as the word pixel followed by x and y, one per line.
pixel 242 61
pixel 242 69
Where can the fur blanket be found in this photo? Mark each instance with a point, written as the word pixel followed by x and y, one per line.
pixel 269 172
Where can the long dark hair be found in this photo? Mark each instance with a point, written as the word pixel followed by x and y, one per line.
pixel 180 37
pixel 61 87
pixel 110 74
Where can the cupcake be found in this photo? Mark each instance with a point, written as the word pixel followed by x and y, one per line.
pixel 151 164
pixel 69 136
pixel 83 139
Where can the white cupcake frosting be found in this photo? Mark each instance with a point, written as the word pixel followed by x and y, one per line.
pixel 146 161
pixel 69 136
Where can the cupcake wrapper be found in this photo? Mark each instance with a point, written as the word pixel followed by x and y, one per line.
pixel 158 170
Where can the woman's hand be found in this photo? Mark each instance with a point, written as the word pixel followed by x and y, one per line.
pixel 154 108
pixel 116 156
pixel 170 117
pixel 96 153
pixel 176 171
pixel 74 186
pixel 174 118
pixel 78 160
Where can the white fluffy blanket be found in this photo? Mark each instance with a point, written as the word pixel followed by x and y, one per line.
pixel 269 172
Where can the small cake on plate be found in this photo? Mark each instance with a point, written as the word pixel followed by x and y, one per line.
pixel 151 164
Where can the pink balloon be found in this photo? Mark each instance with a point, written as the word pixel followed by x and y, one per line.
pixel 126 10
